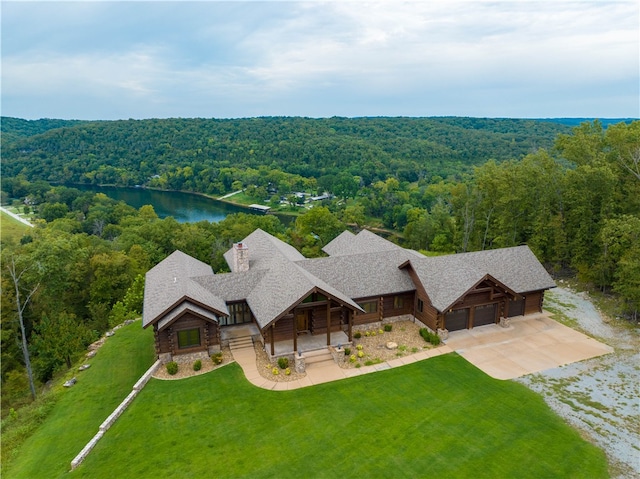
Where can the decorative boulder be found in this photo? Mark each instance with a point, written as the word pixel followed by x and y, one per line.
pixel 392 345
pixel 108 334
pixel 70 382
pixel 84 366
pixel 91 354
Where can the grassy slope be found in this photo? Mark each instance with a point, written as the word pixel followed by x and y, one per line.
pixel 438 417
pixel 11 230
pixel 79 411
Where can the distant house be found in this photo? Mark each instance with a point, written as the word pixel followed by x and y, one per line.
pixel 365 280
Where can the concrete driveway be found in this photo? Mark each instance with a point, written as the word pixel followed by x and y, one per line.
pixel 530 344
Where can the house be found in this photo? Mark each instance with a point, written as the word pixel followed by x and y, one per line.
pixel 364 280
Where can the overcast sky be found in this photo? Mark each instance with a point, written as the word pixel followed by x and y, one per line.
pixel 525 59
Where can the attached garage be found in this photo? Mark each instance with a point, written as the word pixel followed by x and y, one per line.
pixel 456 320
pixel 485 314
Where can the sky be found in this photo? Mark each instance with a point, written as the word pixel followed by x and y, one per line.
pixel 106 60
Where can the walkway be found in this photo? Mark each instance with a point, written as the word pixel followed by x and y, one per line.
pixel 529 345
pixel 323 372
pixel 228 195
pixel 15 216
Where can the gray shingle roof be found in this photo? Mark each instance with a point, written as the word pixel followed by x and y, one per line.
pixel 170 281
pixel 447 278
pixel 364 242
pixel 339 243
pixel 364 275
pixel 264 250
pixel 282 283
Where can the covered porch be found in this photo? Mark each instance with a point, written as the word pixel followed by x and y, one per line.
pixel 305 343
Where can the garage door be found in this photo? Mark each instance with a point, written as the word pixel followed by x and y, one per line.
pixel 516 308
pixel 485 314
pixel 456 320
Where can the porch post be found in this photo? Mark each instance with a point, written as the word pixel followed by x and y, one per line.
pixel 328 321
pixel 273 347
pixel 295 331
pixel 350 325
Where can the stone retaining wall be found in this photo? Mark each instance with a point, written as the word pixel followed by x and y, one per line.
pixel 107 423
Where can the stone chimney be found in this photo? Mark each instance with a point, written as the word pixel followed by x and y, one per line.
pixel 240 257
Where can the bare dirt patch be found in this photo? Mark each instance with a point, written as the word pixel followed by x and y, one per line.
pixel 598 396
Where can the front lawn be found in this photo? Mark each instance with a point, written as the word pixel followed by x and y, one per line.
pixel 440 417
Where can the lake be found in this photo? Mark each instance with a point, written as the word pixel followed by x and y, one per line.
pixel 184 207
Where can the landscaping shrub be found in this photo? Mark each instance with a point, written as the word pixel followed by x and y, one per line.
pixel 172 367
pixel 429 336
pixel 347 351
pixel 352 358
pixel 287 371
pixel 360 354
pixel 388 328
pixel 283 362
pixel 380 331
pixel 216 358
pixel 197 365
pixel 275 371
pixel 357 335
pixel 359 347
pixel 358 365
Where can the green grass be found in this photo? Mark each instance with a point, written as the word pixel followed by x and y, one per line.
pixel 440 417
pixel 11 230
pixel 78 412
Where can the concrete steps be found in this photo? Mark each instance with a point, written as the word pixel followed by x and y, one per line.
pixel 243 342
pixel 320 357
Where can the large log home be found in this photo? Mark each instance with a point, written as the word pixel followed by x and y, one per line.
pixel 365 280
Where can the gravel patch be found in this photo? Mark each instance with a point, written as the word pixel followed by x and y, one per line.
pixel 599 396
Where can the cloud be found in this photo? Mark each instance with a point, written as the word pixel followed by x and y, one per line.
pixel 322 58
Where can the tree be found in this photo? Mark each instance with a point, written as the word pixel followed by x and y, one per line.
pixel 21 304
pixel 314 229
pixel 627 282
pixel 56 340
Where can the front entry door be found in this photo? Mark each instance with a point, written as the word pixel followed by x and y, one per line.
pixel 302 321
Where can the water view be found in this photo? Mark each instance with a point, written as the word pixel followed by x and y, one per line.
pixel 184 207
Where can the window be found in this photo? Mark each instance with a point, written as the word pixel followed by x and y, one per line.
pixel 188 338
pixel 369 306
pixel 238 313
pixel 420 305
pixel 398 302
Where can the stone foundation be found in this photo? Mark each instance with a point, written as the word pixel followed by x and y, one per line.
pixel 443 334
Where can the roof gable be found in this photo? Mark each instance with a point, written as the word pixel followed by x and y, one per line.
pixel 364 242
pixel 169 282
pixel 448 278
